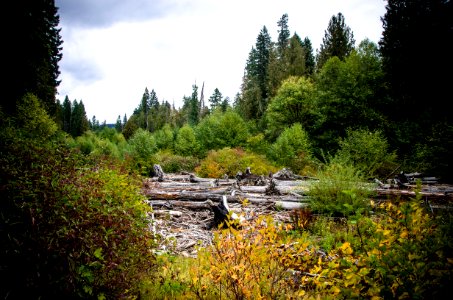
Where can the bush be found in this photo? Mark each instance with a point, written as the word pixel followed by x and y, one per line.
pixel 143 147
pixel 172 163
pixel 368 152
pixel 230 161
pixel 340 191
pixel 292 149
pixel 69 229
pixel 220 130
pixel 186 143
pixel 34 120
pixel 164 138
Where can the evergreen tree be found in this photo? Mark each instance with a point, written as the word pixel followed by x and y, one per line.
pixel 153 100
pixel 216 99
pixel 32 51
pixel 191 106
pixel 144 107
pixel 153 112
pixel 295 57
pixel 338 41
pixel 95 124
pixel 255 81
pixel 309 57
pixel 118 124
pixel 67 112
pixel 124 120
pixel 225 104
pixel 283 36
pixel 79 121
pixel 263 49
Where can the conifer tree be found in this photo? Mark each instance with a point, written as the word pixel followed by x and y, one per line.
pixel 216 99
pixel 124 120
pixel 144 107
pixel 255 81
pixel 191 107
pixel 153 111
pixel 309 57
pixel 283 36
pixel 79 121
pixel 118 124
pixel 338 41
pixel 295 57
pixel 67 112
pixel 32 51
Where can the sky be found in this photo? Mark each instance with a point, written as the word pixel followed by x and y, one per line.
pixel 114 49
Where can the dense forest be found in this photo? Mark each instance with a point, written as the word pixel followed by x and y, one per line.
pixel 74 223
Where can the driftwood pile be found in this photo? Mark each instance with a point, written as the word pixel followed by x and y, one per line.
pixel 183 203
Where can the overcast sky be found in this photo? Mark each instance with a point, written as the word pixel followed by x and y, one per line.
pixel 114 49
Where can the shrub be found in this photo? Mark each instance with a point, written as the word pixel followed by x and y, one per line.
pixel 69 229
pixel 143 147
pixel 221 130
pixel 230 161
pixel 186 143
pixel 172 163
pixel 368 152
pixel 33 119
pixel 292 149
pixel 256 263
pixel 164 138
pixel 340 191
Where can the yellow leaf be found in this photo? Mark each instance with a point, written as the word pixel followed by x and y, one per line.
pixel 301 293
pixel 336 290
pixel 403 234
pixel 346 248
pixel 450 260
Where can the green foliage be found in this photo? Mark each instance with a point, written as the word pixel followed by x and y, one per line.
pixel 164 138
pixel 230 161
pixel 131 126
pixel 172 280
pixel 367 152
pixel 106 142
pixel 338 41
pixel 34 120
pixel 340 191
pixel 186 143
pixel 143 147
pixel 351 94
pixel 172 163
pixel 258 144
pixel 220 130
pixel 292 149
pixel 293 104
pixel 70 228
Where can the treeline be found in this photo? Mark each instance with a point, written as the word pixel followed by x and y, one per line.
pixel 343 87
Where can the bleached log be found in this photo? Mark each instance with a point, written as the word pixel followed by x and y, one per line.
pixel 290 205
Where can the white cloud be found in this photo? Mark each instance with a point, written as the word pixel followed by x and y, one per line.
pixel 199 41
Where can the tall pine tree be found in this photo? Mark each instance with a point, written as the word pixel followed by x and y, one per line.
pixel 255 82
pixel 338 41
pixel 32 51
pixel 309 57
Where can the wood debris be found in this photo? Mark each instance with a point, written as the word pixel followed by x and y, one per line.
pixel 183 203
